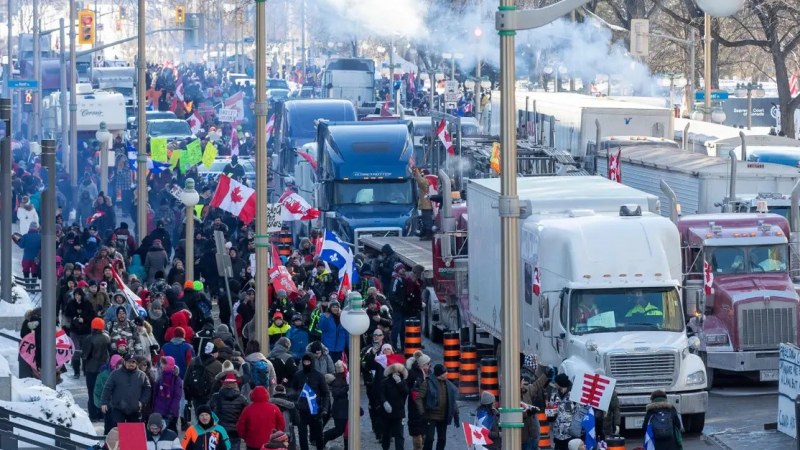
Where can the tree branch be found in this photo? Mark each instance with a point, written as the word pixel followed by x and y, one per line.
pixel 715 35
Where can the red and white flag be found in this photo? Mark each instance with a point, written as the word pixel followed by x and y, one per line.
pixel 95 216
pixel 270 126
pixel 235 198
pixel 614 167
pixel 345 287
pixel 236 101
pixel 296 207
pixel 234 141
pixel 708 278
pixel 179 90
pixel 279 276
pixel 444 137
pixel 195 122
pixel 537 284
pixel 794 85
pixel 476 435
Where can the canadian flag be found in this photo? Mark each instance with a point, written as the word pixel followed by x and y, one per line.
pixel 476 435
pixel 537 284
pixel 270 126
pixel 236 101
pixel 179 90
pixel 235 198
pixel 794 85
pixel 95 216
pixel 345 287
pixel 614 168
pixel 444 136
pixel 296 207
pixel 279 276
pixel 708 278
pixel 195 122
pixel 234 142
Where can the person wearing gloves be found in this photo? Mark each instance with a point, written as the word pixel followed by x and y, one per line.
pixel 205 433
pixel 437 402
pixel 259 419
pixel 228 405
pixel 394 393
pixel 488 417
pixel 159 437
pixel 95 355
pixel 310 419
pixel 126 392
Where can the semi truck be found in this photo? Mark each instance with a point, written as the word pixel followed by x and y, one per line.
pixel 363 185
pixel 351 79
pixel 94 107
pixel 600 253
pixel 568 121
pixel 117 79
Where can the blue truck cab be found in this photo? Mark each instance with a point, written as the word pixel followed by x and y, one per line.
pixel 363 182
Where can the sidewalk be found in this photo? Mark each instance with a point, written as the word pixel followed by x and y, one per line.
pixel 740 440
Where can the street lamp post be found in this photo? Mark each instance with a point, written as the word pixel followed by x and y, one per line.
pixel 104 137
pixel 190 198
pixel 141 140
pixel 749 89
pixel 262 236
pixel 356 322
pixel 5 199
pixel 49 280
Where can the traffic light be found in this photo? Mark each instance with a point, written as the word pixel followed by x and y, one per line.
pixel 27 101
pixel 86 27
pixel 180 16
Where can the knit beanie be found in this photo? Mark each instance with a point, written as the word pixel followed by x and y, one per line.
pixel 487 398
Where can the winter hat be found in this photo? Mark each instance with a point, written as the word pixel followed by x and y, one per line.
pixel 562 380
pixel 421 358
pixel 439 370
pixel 277 315
pixel 280 389
pixel 487 398
pixel 227 367
pixel 121 342
pixel 155 420
pixel 279 436
pixel 120 308
pixel 316 346
pixel 180 333
pixel 418 269
pixel 115 359
pixel 386 346
pixel 82 284
pixel 339 367
pixel 98 324
pixel 202 409
pixel 334 303
pixel 130 357
pixel 198 285
pixel 230 378
pixel 398 266
pixel 188 285
pixel 574 444
pixel 307 357
pixel 209 348
pixel 284 341
pixel 221 329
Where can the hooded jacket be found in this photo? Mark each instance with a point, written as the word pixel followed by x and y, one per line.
pixel 159 323
pixel 290 414
pixel 282 362
pixel 136 267
pixel 395 392
pixel 95 351
pixel 80 315
pixel 323 364
pixel 228 405
pixel 247 369
pixel 661 404
pixel 259 419
pixel 316 381
pixel 125 390
pixel 168 391
pixel 181 352
pixel 299 338
pixel 124 330
pixel 416 422
pixel 179 319
pixel 210 437
pixel 334 336
pixel 434 403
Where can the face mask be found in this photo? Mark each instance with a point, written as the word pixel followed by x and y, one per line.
pixel 306 368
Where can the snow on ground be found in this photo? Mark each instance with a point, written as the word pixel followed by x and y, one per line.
pixel 21 303
pixel 9 350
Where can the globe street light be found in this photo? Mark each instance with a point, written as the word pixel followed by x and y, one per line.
pixel 356 321
pixel 190 198
pixel 750 90
pixel 104 137
pixel 720 8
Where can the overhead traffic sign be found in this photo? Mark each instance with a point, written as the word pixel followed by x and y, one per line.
pixel 715 95
pixel 23 84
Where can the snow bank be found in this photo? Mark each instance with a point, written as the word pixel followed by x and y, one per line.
pixel 19 305
pixel 9 350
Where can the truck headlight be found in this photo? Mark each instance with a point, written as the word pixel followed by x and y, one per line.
pixel 696 378
pixel 716 339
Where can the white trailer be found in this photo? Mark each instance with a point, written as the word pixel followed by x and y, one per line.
pixel 701 183
pixel 566 121
pixel 590 239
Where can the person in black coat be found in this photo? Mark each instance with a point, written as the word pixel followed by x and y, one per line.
pixel 419 366
pixel 80 312
pixel 31 324
pixel 228 405
pixel 339 391
pixel 307 375
pixel 95 355
pixel 394 393
pixel 660 411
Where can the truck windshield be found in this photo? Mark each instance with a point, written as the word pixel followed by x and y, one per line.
pixel 606 310
pixel 373 192
pixel 747 259
pixel 169 128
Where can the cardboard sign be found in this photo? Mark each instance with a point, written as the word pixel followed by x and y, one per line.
pixel 274 222
pixel 788 387
pixel 228 115
pixel 593 390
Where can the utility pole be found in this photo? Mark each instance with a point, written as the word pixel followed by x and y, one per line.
pixel 303 40
pixel 141 145
pixel 5 197
pixel 37 74
pixel 49 279
pixel 9 69
pixel 62 100
pixel 507 21
pixel 262 238
pixel 73 106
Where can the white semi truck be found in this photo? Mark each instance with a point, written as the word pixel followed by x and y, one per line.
pixel 602 253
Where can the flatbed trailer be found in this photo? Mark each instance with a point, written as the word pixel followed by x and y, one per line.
pixel 409 249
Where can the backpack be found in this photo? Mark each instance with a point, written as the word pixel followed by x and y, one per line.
pixel 576 425
pixel 197 382
pixel 204 305
pixel 259 374
pixel 661 424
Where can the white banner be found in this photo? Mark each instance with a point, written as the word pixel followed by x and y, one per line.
pixel 593 390
pixel 228 115
pixel 274 222
pixel 788 387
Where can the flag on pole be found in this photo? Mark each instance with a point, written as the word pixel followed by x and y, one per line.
pixel 179 90
pixel 337 253
pixel 270 126
pixel 476 435
pixel 345 287
pixel 195 122
pixel 444 137
pixel 614 169
pixel 649 440
pixel 311 398
pixel 236 101
pixel 234 141
pixel 588 425
pixel 235 198
pixel 296 207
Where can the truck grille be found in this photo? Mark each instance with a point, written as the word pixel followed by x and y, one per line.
pixel 763 327
pixel 643 372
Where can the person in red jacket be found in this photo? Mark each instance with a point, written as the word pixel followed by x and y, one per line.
pixel 180 319
pixel 259 419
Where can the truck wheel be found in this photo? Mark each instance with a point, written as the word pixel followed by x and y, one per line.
pixel 710 375
pixel 694 423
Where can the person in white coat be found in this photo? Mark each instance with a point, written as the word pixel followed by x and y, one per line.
pixel 26 214
pixel 159 437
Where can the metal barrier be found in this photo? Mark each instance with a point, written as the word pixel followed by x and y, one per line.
pixel 63 438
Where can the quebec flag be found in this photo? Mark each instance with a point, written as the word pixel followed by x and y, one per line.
pixel 337 253
pixel 588 425
pixel 311 397
pixel 649 441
